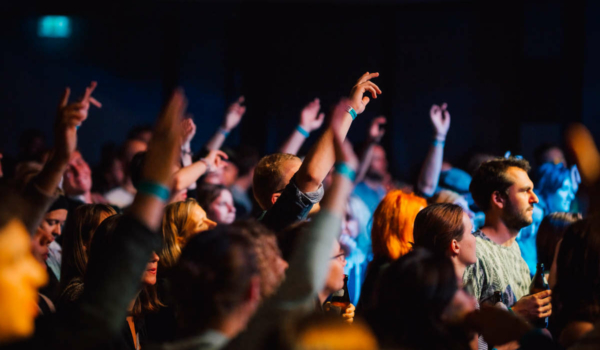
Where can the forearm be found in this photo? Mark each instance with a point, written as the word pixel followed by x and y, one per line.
pixel 216 141
pixel 293 144
pixel 365 162
pixel 186 176
pixel 320 158
pixel 49 178
pixel 430 172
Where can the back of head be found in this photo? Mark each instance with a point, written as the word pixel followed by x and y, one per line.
pixel 212 277
pixel 135 168
pixel 393 220
pixel 437 225
pixel 411 297
pixel 244 158
pixel 575 295
pixel 491 177
pixel 77 236
pixel 268 255
pixel 551 230
pixel 327 332
pixel 269 177
pixel 181 221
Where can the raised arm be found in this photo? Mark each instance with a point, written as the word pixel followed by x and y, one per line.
pixel 42 188
pixel 188 175
pixel 432 166
pixel 114 271
pixel 188 131
pixel 310 120
pixel 376 132
pixel 232 118
pixel 321 156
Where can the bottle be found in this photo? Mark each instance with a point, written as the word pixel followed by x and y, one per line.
pixel 340 300
pixel 539 284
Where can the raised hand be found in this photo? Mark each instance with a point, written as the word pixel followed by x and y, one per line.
pixel 357 99
pixel 214 160
pixel 69 117
pixel 188 130
pixel 440 118
pixel 376 131
pixel 310 118
pixel 234 114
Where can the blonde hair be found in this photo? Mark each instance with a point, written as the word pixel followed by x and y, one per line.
pixel 269 177
pixel 179 225
pixel 393 222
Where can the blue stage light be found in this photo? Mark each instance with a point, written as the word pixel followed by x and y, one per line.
pixel 54 27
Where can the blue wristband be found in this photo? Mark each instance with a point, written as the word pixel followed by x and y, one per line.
pixel 437 142
pixel 224 132
pixel 302 131
pixel 344 170
pixel 352 112
pixel 154 189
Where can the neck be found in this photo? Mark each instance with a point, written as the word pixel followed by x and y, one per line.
pixel 232 324
pixel 323 295
pixel 244 182
pixel 128 186
pixel 459 268
pixel 87 197
pixel 373 183
pixel 498 232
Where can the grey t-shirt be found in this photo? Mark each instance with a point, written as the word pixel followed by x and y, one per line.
pixel 498 268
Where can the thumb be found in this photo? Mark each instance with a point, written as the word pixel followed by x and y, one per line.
pixel 365 100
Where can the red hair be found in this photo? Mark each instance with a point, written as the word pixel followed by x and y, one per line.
pixel 393 221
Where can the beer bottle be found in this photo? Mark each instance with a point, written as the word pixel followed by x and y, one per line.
pixel 539 284
pixel 340 300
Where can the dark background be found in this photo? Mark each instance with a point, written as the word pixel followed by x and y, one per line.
pixel 513 73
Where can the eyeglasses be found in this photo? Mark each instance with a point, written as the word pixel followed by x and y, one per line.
pixel 341 257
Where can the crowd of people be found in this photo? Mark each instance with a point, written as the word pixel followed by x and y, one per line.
pixel 164 247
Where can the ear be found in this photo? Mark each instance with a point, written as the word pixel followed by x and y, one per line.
pixel 498 199
pixel 454 247
pixel 275 197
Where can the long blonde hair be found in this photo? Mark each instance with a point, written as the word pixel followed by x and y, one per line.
pixel 181 221
pixel 393 222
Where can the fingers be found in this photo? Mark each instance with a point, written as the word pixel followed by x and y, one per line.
pixel 372 90
pixel 367 76
pixel 65 97
pixel 89 90
pixel 365 100
pixel 379 120
pixel 444 106
pixel 95 102
pixel 241 99
pixel 543 295
pixel 221 154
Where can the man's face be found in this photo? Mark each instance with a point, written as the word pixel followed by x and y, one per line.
pixel 518 210
pixel 379 164
pixel 78 177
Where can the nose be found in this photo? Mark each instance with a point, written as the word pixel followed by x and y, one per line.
pixel 154 257
pixel 534 197
pixel 57 230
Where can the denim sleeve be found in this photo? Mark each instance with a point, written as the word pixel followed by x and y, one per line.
pixel 293 205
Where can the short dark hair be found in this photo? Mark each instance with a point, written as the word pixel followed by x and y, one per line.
pixel 491 177
pixel 437 225
pixel 243 157
pixel 212 276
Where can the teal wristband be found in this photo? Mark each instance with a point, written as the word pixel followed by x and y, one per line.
pixel 224 132
pixel 154 189
pixel 344 170
pixel 437 142
pixel 302 131
pixel 352 112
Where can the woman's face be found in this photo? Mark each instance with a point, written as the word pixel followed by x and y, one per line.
pixel 350 224
pixel 20 277
pixel 149 277
pixel 560 201
pixel 50 227
pixel 468 243
pixel 222 209
pixel 335 280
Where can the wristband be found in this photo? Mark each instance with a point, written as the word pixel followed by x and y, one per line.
pixel 302 131
pixel 437 142
pixel 224 132
pixel 352 112
pixel 344 170
pixel 154 189
pixel 209 167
